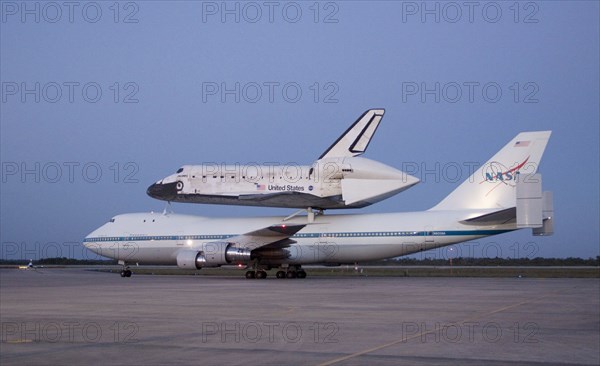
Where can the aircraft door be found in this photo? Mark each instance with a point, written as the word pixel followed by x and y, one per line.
pixel 129 249
pixel 428 234
pixel 324 249
pixel 180 239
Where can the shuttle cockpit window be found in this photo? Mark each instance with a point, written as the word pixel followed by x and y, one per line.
pixel 179 170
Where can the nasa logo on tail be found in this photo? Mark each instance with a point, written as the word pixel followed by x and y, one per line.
pixel 497 172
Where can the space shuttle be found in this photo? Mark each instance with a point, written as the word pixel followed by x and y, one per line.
pixel 340 178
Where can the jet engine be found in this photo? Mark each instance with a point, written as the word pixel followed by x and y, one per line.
pixel 212 255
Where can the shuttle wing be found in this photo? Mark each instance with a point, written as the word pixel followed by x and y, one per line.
pixel 265 236
pixel 356 139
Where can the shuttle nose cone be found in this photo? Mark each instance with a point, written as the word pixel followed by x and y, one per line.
pixel 160 191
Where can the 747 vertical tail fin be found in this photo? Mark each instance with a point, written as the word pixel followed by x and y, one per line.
pixel 493 185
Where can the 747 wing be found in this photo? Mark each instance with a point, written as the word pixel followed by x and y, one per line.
pixel 265 236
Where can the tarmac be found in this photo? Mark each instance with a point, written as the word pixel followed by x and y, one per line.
pixel 80 317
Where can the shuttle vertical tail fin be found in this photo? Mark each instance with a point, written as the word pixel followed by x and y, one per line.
pixel 493 185
pixel 356 139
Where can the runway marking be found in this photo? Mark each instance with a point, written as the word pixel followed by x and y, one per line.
pixel 17 341
pixel 404 340
pixel 290 309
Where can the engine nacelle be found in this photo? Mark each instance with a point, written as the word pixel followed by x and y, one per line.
pixel 190 259
pixel 212 254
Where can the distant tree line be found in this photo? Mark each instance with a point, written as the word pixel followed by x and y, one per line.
pixel 538 261
pixel 460 261
pixel 59 261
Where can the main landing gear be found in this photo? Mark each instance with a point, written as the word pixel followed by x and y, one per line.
pixel 256 274
pixel 290 272
pixel 125 272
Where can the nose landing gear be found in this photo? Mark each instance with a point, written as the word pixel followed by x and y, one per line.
pixel 125 272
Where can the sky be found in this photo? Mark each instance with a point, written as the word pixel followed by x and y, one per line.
pixel 101 99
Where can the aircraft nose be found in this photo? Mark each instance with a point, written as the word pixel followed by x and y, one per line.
pixel 163 191
pixel 89 246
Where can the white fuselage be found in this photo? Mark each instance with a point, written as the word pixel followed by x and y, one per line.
pixel 349 182
pixel 338 179
pixel 154 238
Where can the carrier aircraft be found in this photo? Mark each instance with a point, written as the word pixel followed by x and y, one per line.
pixel 503 195
pixel 339 178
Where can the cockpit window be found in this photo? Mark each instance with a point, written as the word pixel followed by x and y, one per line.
pixel 179 170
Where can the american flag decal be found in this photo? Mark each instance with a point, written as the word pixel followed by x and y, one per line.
pixel 522 144
pixel 260 187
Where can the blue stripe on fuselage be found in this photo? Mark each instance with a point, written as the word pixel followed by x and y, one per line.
pixel 362 234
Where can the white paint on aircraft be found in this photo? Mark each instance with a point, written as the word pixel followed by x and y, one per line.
pixel 485 204
pixel 338 179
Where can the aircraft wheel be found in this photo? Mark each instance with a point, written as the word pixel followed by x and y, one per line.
pixel 123 273
pixel 261 274
pixel 128 273
pixel 280 274
pixel 301 274
pixel 250 274
pixel 291 274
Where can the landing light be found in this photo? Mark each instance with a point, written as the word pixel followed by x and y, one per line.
pixel 189 242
